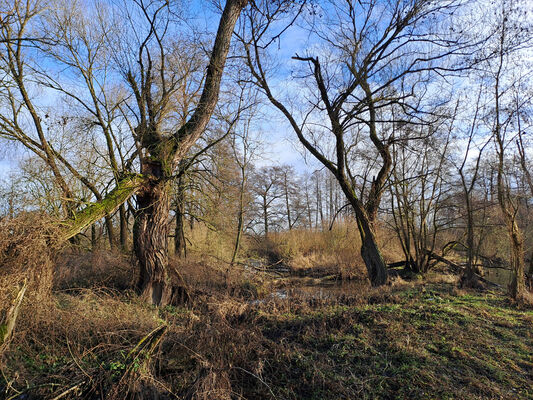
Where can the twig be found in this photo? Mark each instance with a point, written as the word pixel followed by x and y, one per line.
pixel 73 388
pixel 259 378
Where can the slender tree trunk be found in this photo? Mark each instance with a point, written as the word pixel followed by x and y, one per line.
pixel 530 272
pixel 288 205
pixel 265 215
pixel 110 231
pixel 309 214
pixel 150 233
pixel 94 243
pixel 123 227
pixel 238 238
pixel 469 274
pixel 240 221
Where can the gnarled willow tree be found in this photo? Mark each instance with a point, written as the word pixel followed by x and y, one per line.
pixel 152 82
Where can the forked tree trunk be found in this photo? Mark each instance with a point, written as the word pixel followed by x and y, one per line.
pixel 150 241
pixel 151 227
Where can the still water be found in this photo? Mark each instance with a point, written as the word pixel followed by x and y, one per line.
pixel 499 276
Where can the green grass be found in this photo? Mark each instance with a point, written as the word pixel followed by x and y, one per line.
pixel 430 344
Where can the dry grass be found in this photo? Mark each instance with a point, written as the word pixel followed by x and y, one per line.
pixel 405 340
pixel 27 249
pixel 208 244
pixel 330 252
pixel 402 341
pixel 96 269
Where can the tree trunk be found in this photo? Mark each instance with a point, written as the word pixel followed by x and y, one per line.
pixel 94 243
pixel 518 285
pixel 123 227
pixel 375 265
pixel 240 222
pixel 110 231
pixel 126 188
pixel 150 233
pixel 265 215
pixel 179 234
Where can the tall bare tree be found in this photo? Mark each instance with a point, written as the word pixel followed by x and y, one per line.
pixel 160 146
pixel 364 59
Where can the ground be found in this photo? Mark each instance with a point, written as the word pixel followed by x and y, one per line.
pixel 412 340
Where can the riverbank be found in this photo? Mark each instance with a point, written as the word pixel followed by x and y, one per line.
pixel 410 340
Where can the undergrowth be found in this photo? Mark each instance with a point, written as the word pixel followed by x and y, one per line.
pixel 407 341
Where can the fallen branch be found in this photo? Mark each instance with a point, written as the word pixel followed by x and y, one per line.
pixel 7 328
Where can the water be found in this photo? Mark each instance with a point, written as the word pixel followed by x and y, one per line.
pixel 499 276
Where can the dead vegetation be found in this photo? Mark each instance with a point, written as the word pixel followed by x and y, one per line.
pixel 250 334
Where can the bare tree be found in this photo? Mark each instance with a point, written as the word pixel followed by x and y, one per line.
pixel 418 193
pixel 510 39
pixel 245 148
pixel 160 146
pixel 266 186
pixel 377 56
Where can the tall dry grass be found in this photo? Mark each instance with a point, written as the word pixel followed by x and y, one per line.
pixel 323 252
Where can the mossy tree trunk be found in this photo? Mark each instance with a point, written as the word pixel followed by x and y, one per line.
pixel 126 188
pixel 160 155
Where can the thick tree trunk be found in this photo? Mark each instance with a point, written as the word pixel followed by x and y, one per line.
pixel 374 262
pixel 375 265
pixel 179 235
pixel 150 241
pixel 518 284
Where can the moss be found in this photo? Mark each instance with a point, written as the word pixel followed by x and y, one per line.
pixel 95 211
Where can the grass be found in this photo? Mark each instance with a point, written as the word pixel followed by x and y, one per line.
pixel 423 340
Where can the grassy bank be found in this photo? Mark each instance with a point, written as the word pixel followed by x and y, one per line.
pixel 410 340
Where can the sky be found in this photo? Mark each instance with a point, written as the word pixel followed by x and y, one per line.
pixel 281 143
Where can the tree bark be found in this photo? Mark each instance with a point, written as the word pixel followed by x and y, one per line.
pixel 123 227
pixel 150 233
pixel 110 231
pixel 374 262
pixel 108 205
pixel 179 236
pixel 240 222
